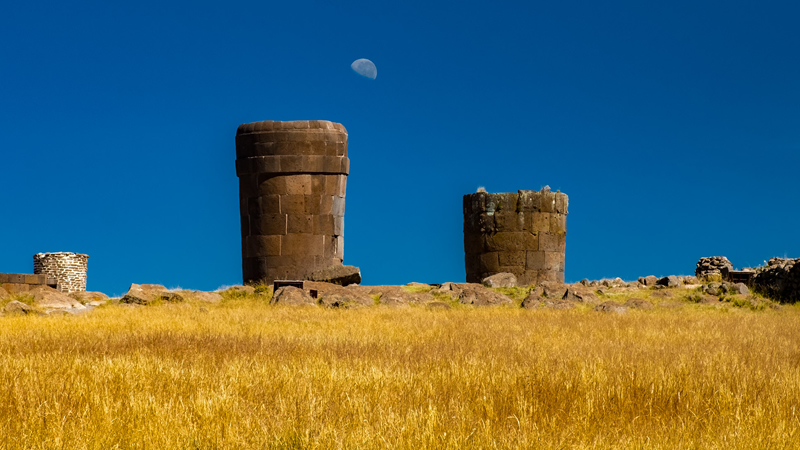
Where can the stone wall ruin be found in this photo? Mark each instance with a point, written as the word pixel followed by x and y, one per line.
pixel 292 182
pixel 523 233
pixel 69 269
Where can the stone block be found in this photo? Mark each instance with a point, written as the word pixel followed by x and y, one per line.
pixel 268 224
pixel 318 184
pixel 338 225
pixel 530 201
pixel 548 242
pixel 511 241
pixel 323 224
pixel 554 261
pixel 473 242
pixel 260 246
pixel 326 205
pixel 291 164
pixel 528 278
pixel 509 221
pixel 562 203
pixel 4 278
pixel 472 263
pixel 301 245
pixel 486 223
pixel 490 262
pixel 31 279
pixel 341 185
pixel 338 206
pixel 272 185
pixel 548 201
pixel 339 251
pixel 312 204
pixel 299 184
pixel 299 223
pixel 270 204
pixel 248 186
pixel 293 204
pixel 331 184
pixel 538 222
pixel 558 223
pixel 513 259
pixel 534 260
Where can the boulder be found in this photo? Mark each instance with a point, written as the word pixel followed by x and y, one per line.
pixel 635 285
pixel 478 295
pixel 87 297
pixel 16 307
pixel 534 299
pixel 638 303
pixel 670 281
pixel 345 298
pixel 690 280
pixel 396 295
pixel 649 280
pixel 611 307
pixel 4 294
pixel 713 289
pixel 740 289
pixel 290 295
pixel 49 298
pixel 553 289
pixel 503 279
pixel 341 275
pixel 575 294
pixel 145 294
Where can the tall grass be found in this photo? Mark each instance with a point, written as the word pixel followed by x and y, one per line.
pixel 242 374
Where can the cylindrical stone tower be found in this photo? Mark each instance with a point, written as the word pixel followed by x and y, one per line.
pixel 523 233
pixel 69 269
pixel 292 181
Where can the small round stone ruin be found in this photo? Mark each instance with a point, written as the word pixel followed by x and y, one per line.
pixel 69 269
pixel 523 233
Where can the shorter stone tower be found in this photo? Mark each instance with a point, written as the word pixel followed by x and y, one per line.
pixel 523 233
pixel 69 269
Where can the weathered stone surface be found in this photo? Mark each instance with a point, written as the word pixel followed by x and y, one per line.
pixel 580 295
pixel 713 289
pixel 553 289
pixel 478 295
pixel 341 275
pixel 4 294
pixel 611 307
pixel 503 279
pixel 740 289
pixel 650 280
pixel 670 281
pixel 290 295
pixel 638 303
pixel 145 294
pixel 69 269
pixel 87 297
pixel 346 298
pixel 46 297
pixel 201 296
pixel 397 295
pixel 15 307
pixel 690 280
pixel 779 280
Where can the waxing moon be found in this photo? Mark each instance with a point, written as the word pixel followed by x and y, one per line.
pixel 365 67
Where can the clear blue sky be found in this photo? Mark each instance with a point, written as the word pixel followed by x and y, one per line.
pixel 674 127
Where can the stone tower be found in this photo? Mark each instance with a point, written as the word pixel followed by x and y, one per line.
pixel 523 233
pixel 292 181
pixel 69 269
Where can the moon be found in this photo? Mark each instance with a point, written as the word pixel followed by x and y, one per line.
pixel 365 67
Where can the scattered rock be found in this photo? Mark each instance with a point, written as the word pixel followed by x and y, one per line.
pixel 208 297
pixel 533 299
pixel 713 289
pixel 670 281
pixel 88 297
pixel 740 289
pixel 635 285
pixel 290 295
pixel 4 294
pixel 690 280
pixel 503 279
pixel 478 295
pixel 341 275
pixel 649 280
pixel 552 289
pixel 145 294
pixel 575 294
pixel 662 293
pixel 611 307
pixel 585 282
pixel 16 307
pixel 46 297
pixel 346 298
pixel 638 303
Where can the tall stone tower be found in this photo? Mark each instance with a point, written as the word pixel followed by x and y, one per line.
pixel 292 181
pixel 523 233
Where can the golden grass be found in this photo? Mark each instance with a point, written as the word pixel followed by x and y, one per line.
pixel 243 374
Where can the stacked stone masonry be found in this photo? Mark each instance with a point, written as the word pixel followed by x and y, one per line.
pixel 69 269
pixel 523 233
pixel 292 183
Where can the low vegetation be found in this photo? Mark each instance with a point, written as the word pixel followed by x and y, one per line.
pixel 244 374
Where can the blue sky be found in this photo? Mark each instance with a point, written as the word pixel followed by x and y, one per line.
pixel 674 127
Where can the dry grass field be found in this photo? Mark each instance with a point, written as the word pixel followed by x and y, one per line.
pixel 243 374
